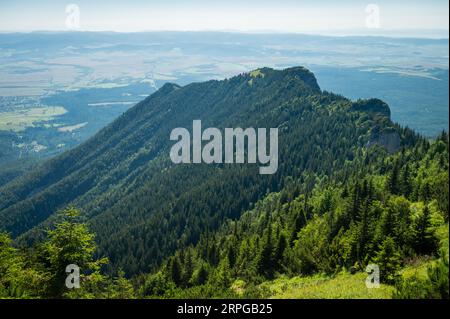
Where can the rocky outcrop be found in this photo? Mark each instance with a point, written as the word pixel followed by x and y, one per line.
pixel 388 138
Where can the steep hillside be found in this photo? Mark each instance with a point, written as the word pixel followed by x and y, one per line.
pixel 388 210
pixel 143 208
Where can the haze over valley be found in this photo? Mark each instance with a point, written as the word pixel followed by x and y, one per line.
pixel 59 88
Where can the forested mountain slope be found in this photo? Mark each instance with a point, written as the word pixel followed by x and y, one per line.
pixel 143 208
pixel 391 210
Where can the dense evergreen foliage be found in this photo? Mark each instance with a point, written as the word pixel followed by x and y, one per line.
pixel 352 188
pixel 384 213
pixel 41 272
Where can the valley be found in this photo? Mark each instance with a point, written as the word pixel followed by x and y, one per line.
pixel 95 77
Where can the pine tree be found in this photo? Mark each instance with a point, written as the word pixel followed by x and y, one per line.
pixel 424 240
pixel 356 203
pixel 188 267
pixel 70 243
pixel 265 264
pixel 299 222
pixel 363 235
pixel 200 275
pixel 231 255
pixel 406 181
pixel 425 192
pixel 280 248
pixel 222 276
pixel 121 288
pixel 175 270
pixel 388 260
pixel 393 179
pixel 16 279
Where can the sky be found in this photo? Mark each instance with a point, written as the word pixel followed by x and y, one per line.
pixel 345 17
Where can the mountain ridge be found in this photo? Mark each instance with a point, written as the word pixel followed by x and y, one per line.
pixel 127 188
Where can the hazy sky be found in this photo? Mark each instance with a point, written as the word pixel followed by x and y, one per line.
pixel 412 17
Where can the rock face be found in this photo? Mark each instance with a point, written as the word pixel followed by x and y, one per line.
pixel 381 135
pixel 389 139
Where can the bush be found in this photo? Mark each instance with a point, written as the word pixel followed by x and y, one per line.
pixel 434 286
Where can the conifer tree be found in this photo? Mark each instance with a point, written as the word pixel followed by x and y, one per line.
pixel 388 260
pixel 393 179
pixel 69 243
pixel 424 240
pixel 175 270
pixel 265 260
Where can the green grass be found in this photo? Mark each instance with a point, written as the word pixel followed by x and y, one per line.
pixel 342 286
pixel 417 269
pixel 257 73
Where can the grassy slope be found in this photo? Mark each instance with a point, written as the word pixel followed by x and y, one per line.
pixel 342 286
pixel 346 285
